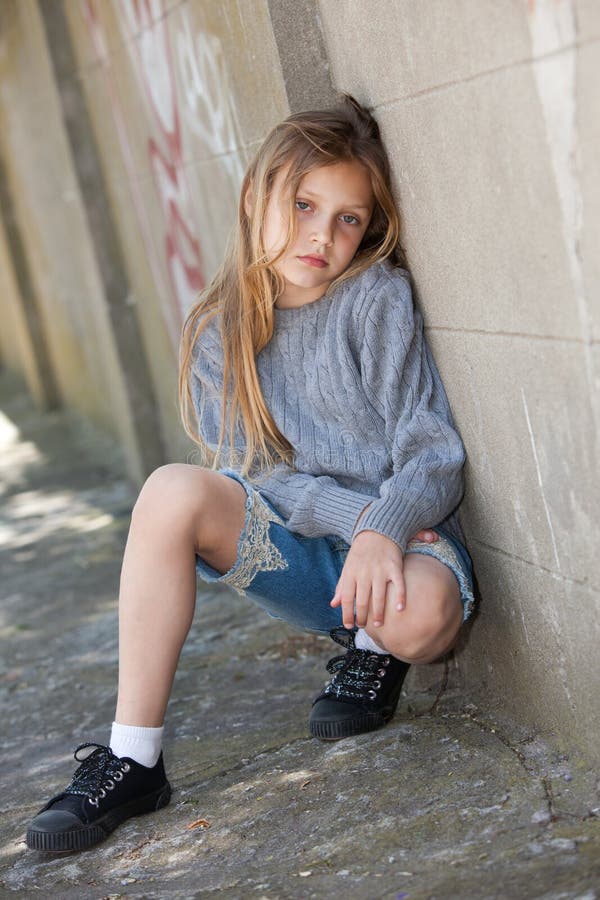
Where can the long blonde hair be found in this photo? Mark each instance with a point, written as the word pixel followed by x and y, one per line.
pixel 245 288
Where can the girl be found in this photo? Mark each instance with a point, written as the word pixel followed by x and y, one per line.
pixel 304 368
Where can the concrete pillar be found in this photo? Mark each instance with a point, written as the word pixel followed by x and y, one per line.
pixel 304 63
pixel 125 328
pixel 29 330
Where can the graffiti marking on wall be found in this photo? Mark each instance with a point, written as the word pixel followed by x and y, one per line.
pixel 205 113
pixel 209 112
pixel 147 35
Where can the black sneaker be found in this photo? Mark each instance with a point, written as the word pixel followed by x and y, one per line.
pixel 363 693
pixel 105 790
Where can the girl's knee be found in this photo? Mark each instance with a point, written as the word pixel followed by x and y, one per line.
pixel 196 503
pixel 426 628
pixel 422 645
pixel 176 486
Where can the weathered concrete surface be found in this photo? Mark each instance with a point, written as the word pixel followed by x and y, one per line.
pixel 440 804
pixel 494 146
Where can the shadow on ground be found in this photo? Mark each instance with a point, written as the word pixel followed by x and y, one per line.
pixel 440 804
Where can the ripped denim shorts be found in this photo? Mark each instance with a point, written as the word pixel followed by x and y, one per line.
pixel 294 577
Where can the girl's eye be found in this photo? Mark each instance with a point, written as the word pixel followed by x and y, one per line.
pixel 346 218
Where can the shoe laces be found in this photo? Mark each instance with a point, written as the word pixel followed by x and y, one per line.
pixel 98 773
pixel 357 674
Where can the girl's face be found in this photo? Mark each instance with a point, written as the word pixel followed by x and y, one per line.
pixel 333 208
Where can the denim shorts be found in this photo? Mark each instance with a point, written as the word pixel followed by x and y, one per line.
pixel 293 577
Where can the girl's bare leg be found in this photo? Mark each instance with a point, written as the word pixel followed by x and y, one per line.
pixel 181 510
pixel 429 624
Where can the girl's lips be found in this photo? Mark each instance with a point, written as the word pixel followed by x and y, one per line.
pixel 313 261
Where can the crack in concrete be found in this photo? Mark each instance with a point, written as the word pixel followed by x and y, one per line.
pixel 441 691
pixel 580 582
pixel 247 761
pixel 561 339
pixel 488 729
pixel 485 73
pixel 545 780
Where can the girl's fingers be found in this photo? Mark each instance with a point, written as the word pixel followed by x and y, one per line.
pixel 427 536
pixel 348 610
pixel 398 592
pixel 363 594
pixel 344 597
pixel 337 597
pixel 366 598
pixel 378 595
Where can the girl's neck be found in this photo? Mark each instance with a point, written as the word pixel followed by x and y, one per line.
pixel 293 297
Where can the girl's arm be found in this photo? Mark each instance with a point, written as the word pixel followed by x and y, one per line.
pixel 404 386
pixel 313 505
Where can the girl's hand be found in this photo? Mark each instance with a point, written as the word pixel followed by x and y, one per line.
pixel 373 570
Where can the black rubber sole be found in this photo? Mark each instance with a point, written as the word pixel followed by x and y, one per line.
pixel 335 731
pixel 89 835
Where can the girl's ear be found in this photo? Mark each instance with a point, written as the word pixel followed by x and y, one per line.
pixel 248 201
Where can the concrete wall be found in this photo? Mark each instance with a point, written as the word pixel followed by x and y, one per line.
pixel 59 262
pixel 492 119
pixel 17 348
pixel 490 114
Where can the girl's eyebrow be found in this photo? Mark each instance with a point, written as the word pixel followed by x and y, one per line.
pixel 346 205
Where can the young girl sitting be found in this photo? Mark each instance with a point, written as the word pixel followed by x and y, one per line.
pixel 305 369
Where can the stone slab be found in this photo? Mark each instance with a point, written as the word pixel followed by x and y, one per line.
pixel 483 227
pixel 402 48
pixel 525 411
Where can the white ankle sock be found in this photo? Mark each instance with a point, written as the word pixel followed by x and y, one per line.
pixel 364 642
pixel 138 743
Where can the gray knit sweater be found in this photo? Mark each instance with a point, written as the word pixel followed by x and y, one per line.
pixel 351 383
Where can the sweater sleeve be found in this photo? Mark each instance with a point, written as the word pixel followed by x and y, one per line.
pixel 404 386
pixel 313 506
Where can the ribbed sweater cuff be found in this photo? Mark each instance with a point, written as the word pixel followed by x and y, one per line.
pixel 398 522
pixel 338 509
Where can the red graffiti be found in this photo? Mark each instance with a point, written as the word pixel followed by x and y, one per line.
pixel 151 55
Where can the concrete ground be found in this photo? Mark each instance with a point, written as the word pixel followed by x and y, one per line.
pixel 443 803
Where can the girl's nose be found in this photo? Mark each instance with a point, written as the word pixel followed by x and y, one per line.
pixel 323 234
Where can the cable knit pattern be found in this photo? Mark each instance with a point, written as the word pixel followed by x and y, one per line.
pixel 350 381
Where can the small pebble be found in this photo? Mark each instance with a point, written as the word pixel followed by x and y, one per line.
pixel 562 844
pixel 541 816
pixel 535 848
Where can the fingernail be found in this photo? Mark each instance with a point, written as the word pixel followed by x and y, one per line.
pixel 400 606
pixel 376 624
